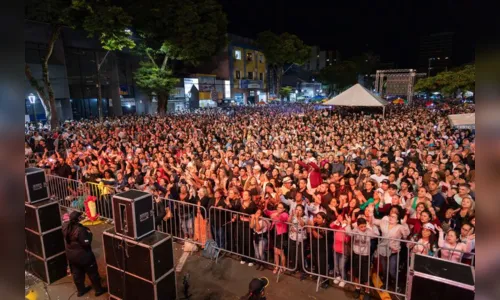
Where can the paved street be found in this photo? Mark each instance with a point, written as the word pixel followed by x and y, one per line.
pixel 223 281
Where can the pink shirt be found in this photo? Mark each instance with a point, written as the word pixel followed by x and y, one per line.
pixel 279 221
pixel 339 238
pixel 447 249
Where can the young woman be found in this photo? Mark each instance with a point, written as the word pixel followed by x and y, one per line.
pixel 388 247
pixel 451 247
pixel 260 228
pixel 244 234
pixel 297 235
pixel 425 217
pixel 425 242
pixel 339 256
pixel 406 191
pixel 200 222
pixel 319 246
pixel 186 211
pixel 279 218
pixel 422 197
pixel 466 210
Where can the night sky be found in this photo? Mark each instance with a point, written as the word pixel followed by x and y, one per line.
pixel 390 28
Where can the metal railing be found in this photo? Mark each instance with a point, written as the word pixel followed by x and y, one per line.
pixel 236 233
pixel 187 221
pixel 468 258
pixel 322 252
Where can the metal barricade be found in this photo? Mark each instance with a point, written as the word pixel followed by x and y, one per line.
pixel 70 193
pixel 186 221
pixel 104 194
pixel 235 233
pixel 356 259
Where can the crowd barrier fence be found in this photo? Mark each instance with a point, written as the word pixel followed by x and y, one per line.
pixel 363 261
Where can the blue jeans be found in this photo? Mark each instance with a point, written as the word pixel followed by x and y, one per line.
pixel 339 269
pixel 260 246
pixel 219 236
pixel 393 265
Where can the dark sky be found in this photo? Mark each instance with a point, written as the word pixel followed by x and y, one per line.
pixel 390 28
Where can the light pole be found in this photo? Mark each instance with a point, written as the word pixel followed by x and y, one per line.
pixel 32 99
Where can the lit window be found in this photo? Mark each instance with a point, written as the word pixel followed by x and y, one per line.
pixel 249 56
pixel 237 54
pixel 238 75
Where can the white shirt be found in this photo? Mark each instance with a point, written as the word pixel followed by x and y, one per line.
pixel 378 178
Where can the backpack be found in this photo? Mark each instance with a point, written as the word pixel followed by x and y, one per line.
pixel 210 251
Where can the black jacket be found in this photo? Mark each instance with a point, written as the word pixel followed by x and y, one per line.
pixel 78 241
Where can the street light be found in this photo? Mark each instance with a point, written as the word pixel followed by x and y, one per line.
pixel 32 99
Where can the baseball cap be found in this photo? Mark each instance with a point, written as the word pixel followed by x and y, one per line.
pixel 256 167
pixel 287 179
pixel 385 181
pixel 399 159
pixel 257 285
pixel 430 227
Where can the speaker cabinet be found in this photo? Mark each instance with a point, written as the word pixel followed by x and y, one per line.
pixel 42 216
pixel 48 270
pixel 432 278
pixel 126 286
pixel 46 244
pixel 36 188
pixel 133 214
pixel 149 258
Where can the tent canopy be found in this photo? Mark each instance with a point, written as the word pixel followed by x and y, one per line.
pixel 357 95
pixel 463 120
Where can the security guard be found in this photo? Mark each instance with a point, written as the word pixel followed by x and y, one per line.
pixel 78 240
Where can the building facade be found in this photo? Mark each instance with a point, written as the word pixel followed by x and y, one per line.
pixel 435 53
pixel 73 75
pixel 247 71
pixel 321 59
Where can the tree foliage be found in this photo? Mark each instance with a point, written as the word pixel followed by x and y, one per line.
pixel 285 92
pixel 99 18
pixel 449 82
pixel 280 50
pixel 185 30
pixel 342 75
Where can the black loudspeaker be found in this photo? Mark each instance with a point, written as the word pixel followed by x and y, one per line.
pixel 48 270
pixel 149 258
pixel 46 244
pixel 432 278
pixel 36 188
pixel 133 214
pixel 42 216
pixel 126 286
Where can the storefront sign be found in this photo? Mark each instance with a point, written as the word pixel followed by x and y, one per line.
pixel 251 84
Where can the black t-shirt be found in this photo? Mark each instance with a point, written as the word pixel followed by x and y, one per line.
pixel 63 170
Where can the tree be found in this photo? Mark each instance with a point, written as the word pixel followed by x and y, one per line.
pixel 175 30
pixel 280 50
pixel 153 79
pixel 97 17
pixel 339 76
pixel 110 25
pixel 285 92
pixel 449 82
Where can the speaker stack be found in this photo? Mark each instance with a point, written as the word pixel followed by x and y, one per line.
pixel 433 278
pixel 139 260
pixel 44 251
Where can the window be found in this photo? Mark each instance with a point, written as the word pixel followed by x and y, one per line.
pixel 237 54
pixel 261 76
pixel 250 75
pixel 238 75
pixel 261 58
pixel 249 56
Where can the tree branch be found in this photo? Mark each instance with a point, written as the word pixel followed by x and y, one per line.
pixel 34 82
pixel 151 58
pixel 164 64
pixel 45 63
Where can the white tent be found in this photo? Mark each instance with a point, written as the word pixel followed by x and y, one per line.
pixel 357 95
pixel 463 120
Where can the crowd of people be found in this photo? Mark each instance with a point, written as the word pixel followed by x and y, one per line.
pixel 359 183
